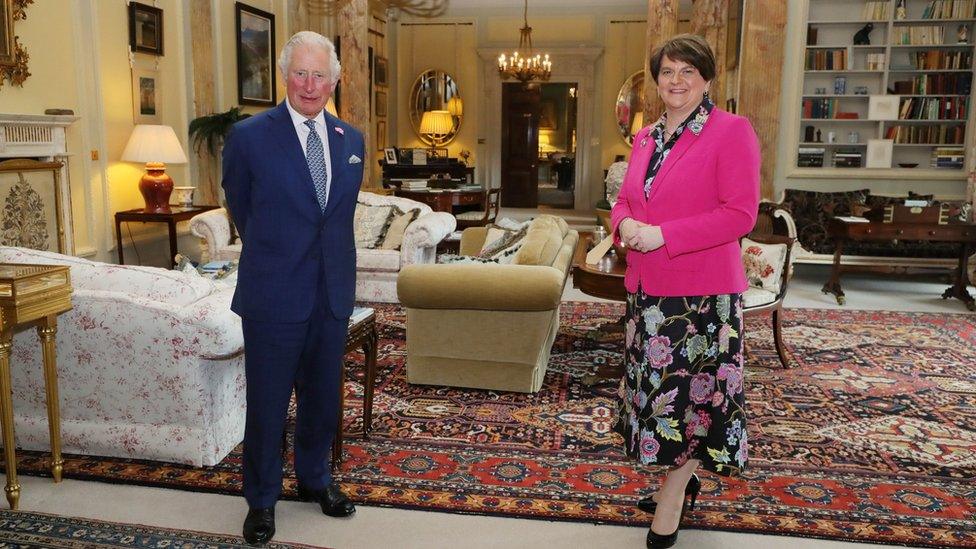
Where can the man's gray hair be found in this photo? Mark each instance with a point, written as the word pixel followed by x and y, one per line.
pixel 309 38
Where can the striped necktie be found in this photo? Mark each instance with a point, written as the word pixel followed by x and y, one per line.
pixel 315 156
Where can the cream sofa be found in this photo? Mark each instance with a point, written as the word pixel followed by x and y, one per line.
pixel 150 365
pixel 376 270
pixel 488 326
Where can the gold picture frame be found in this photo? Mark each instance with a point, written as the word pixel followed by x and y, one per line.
pixel 32 213
pixel 13 56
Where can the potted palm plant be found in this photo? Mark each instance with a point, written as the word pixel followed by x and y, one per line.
pixel 209 132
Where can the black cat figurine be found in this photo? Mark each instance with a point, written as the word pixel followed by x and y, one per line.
pixel 862 37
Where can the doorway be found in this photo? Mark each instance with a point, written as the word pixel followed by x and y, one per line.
pixel 539 145
pixel 557 145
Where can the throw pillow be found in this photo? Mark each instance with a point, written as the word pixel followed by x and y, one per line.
pixel 394 235
pixel 469 259
pixel 371 224
pixel 502 244
pixel 764 264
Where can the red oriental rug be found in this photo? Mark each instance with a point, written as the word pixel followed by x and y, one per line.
pixel 871 436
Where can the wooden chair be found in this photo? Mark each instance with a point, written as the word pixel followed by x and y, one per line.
pixel 481 218
pixel 761 303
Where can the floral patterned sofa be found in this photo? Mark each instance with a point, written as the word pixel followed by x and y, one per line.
pixel 150 365
pixel 376 269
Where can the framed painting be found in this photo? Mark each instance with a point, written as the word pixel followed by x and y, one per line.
pixel 146 100
pixel 32 215
pixel 380 103
pixel 733 36
pixel 7 45
pixel 380 71
pixel 380 135
pixel 255 56
pixel 145 28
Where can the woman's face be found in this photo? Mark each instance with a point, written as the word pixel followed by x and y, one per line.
pixel 680 85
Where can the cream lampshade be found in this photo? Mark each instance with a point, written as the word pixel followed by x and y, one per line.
pixel 155 145
pixel 331 108
pixel 455 106
pixel 436 125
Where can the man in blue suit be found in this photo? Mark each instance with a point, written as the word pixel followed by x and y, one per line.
pixel 291 176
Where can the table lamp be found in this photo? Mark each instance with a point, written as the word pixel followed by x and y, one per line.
pixel 637 123
pixel 156 146
pixel 436 126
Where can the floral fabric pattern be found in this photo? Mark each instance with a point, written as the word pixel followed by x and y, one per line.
pixel 682 396
pixel 695 122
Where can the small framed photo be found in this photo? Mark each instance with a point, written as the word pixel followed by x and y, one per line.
pixel 255 56
pixel 380 135
pixel 380 72
pixel 840 85
pixel 389 154
pixel 380 103
pixel 145 28
pixel 883 107
pixel 146 104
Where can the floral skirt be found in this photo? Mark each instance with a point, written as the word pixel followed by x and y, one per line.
pixel 682 395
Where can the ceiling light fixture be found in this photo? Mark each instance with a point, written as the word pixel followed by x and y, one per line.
pixel 523 65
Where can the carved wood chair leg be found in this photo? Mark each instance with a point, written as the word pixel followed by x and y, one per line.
pixel 778 338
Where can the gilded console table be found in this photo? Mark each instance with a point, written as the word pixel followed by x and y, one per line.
pixel 31 294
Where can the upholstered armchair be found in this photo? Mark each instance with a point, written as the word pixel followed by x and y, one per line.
pixel 214 228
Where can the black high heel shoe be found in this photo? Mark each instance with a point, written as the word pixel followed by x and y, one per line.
pixel 658 541
pixel 648 505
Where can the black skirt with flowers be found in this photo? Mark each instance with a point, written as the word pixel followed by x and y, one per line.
pixel 682 395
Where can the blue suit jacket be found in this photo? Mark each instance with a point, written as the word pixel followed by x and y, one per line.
pixel 292 250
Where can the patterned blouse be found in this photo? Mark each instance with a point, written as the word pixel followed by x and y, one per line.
pixel 695 122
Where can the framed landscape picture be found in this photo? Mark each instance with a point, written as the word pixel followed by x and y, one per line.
pixel 255 56
pixel 146 98
pixel 145 28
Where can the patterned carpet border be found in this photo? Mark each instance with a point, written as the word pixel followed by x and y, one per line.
pixel 867 438
pixel 29 529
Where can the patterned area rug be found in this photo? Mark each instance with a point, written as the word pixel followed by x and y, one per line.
pixel 869 437
pixel 24 529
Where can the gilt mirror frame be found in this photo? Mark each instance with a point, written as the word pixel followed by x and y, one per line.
pixel 431 91
pixel 630 100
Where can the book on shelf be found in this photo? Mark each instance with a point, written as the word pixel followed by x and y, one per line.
pixel 810 157
pixel 874 61
pixel 948 157
pixel 919 35
pixel 934 108
pixel 930 135
pixel 949 9
pixel 847 158
pixel 826 59
pixel 875 10
pixel 929 84
pixel 941 60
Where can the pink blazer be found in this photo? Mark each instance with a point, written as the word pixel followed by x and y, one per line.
pixel 704 197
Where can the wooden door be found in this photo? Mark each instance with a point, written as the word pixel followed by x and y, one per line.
pixel 520 146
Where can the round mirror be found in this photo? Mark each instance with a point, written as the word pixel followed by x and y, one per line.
pixel 433 91
pixel 629 109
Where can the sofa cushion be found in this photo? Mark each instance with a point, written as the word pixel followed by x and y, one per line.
pixel 764 264
pixel 502 245
pixel 398 226
pixel 152 283
pixel 813 210
pixel 755 297
pixel 542 241
pixel 377 260
pixel 371 224
pixel 451 258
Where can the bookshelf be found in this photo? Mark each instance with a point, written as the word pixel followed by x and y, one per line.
pixel 906 95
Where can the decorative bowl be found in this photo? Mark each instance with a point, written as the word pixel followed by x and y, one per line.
pixel 908 164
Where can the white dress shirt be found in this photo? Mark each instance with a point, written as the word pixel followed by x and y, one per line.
pixel 298 119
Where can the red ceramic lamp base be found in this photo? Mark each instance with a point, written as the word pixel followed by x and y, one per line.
pixel 156 187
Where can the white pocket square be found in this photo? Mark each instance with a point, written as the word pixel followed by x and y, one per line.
pixel 355 159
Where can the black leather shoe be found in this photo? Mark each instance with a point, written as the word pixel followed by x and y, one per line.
pixel 259 526
pixel 648 505
pixel 333 502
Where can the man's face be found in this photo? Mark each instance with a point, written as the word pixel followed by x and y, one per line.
pixel 309 84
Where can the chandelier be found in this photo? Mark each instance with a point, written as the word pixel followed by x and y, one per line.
pixel 522 65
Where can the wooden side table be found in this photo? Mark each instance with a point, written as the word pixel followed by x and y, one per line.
pixel 31 294
pixel 963 233
pixel 362 335
pixel 604 280
pixel 175 215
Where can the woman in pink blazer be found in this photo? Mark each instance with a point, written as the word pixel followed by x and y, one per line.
pixel 690 192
